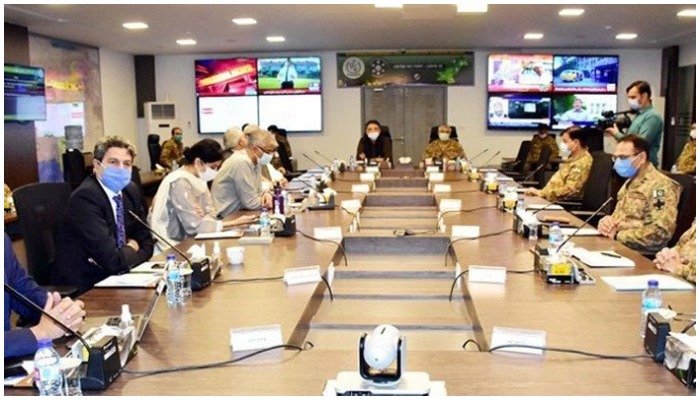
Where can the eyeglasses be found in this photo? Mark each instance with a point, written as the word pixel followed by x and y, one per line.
pixel 615 158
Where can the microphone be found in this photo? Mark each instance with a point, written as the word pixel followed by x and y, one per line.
pixel 313 161
pixel 321 154
pixel 201 274
pixel 585 222
pixel 545 207
pixel 531 174
pixel 489 160
pixel 442 215
pixel 477 155
pixel 103 364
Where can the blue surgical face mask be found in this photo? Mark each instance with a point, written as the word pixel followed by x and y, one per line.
pixel 625 167
pixel 115 178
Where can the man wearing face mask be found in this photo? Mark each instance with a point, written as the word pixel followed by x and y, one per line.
pixel 237 185
pixel 686 160
pixel 183 206
pixel 647 124
pixel 373 145
pixel 172 149
pixel 573 172
pixel 444 147
pixel 539 142
pixel 98 237
pixel 645 216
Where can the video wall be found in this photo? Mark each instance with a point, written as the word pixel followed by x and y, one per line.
pixel 285 91
pixel 559 90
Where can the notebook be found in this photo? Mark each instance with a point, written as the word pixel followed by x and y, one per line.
pixel 602 259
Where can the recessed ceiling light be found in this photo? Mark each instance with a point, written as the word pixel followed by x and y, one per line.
pixel 571 12
pixel 626 36
pixel 472 7
pixel 689 13
pixel 275 39
pixel 186 42
pixel 533 36
pixel 388 4
pixel 244 21
pixel 135 25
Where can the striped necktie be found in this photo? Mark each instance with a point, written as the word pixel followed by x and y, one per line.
pixel 121 228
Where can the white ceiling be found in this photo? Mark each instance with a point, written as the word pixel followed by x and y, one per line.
pixel 352 27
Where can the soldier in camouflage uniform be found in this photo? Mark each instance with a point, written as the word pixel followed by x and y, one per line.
pixel 645 216
pixel 539 142
pixel 444 147
pixel 172 149
pixel 573 173
pixel 680 259
pixel 686 161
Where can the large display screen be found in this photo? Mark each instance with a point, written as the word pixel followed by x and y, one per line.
pixel 219 113
pixel 25 95
pixel 226 77
pixel 520 72
pixel 579 73
pixel 580 109
pixel 292 112
pixel 518 111
pixel 289 75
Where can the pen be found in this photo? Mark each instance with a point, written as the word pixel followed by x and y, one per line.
pixel 613 255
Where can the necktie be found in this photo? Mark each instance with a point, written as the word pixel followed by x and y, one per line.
pixel 121 228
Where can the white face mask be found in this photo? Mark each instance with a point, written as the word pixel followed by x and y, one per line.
pixel 444 136
pixel 564 150
pixel 373 135
pixel 692 133
pixel 265 158
pixel 634 104
pixel 208 174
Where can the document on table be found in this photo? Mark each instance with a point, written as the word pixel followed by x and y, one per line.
pixel 599 259
pixel 231 234
pixel 582 232
pixel 639 282
pixel 544 206
pixel 137 280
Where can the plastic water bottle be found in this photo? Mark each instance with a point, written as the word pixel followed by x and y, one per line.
pixel 651 300
pixel 520 206
pixel 556 238
pixel 352 163
pixel 47 367
pixel 265 223
pixel 174 282
pixel 278 200
pixel 125 320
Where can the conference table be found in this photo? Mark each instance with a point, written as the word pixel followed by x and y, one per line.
pixel 404 281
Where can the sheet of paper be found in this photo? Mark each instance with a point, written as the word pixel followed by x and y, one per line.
pixel 596 259
pixel 148 267
pixel 639 282
pixel 231 234
pixel 542 206
pixel 582 232
pixel 130 280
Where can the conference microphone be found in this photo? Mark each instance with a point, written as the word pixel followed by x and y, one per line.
pixel 490 159
pixel 103 364
pixel 321 154
pixel 531 174
pixel 544 207
pixel 585 222
pixel 477 155
pixel 442 215
pixel 313 161
pixel 201 272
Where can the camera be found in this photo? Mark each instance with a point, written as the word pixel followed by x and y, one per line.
pixel 610 118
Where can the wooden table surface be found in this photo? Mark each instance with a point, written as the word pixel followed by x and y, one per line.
pixel 590 318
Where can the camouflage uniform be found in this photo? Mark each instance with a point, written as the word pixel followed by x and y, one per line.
pixel 569 179
pixel 686 249
pixel 171 151
pixel 537 145
pixel 646 210
pixel 443 149
pixel 686 161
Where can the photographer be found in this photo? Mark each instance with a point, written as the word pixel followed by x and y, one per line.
pixel 647 124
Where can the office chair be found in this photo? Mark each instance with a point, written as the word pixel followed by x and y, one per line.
pixel 596 190
pixel 593 138
pixel 154 150
pixel 538 179
pixel 517 166
pixel 74 171
pixel 40 208
pixel 385 131
pixel 686 205
pixel 434 134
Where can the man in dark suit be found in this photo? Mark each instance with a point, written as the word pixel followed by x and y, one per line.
pixel 98 237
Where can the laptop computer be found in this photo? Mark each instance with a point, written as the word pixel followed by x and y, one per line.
pixel 140 320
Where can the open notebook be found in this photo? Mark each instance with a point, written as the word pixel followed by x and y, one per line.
pixel 602 259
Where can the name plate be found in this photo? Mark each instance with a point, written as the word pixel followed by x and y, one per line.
pixel 367 177
pixel 329 233
pixel 436 177
pixel 442 188
pixel 360 188
pixel 485 274
pixel 295 276
pixel 450 205
pixel 432 169
pixel 352 206
pixel 465 231
pixel 501 336
pixel 255 338
pixel 372 169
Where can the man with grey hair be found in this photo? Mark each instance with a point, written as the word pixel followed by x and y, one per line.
pixel 237 185
pixel 234 140
pixel 98 237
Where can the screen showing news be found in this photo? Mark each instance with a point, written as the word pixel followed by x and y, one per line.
pixel 289 75
pixel 585 73
pixel 518 111
pixel 226 77
pixel 520 72
pixel 581 109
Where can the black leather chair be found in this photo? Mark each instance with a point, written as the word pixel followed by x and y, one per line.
pixel 593 138
pixel 40 208
pixel 686 205
pixel 154 150
pixel 517 166
pixel 74 171
pixel 536 179
pixel 434 134
pixel 597 189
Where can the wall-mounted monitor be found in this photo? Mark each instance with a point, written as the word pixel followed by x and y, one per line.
pixel 219 113
pixel 583 73
pixel 25 95
pixel 580 109
pixel 519 72
pixel 518 111
pixel 295 113
pixel 289 75
pixel 226 77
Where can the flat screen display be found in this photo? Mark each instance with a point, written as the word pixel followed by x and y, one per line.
pixel 520 72
pixel 25 94
pixel 518 111
pixel 289 75
pixel 296 113
pixel 219 113
pixel 226 77
pixel 580 109
pixel 580 73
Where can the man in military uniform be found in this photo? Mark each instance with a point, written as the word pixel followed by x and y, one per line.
pixel 172 149
pixel 686 161
pixel 680 259
pixel 539 142
pixel 444 147
pixel 573 173
pixel 645 216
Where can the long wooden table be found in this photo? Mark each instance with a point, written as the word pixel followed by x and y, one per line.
pixel 411 292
